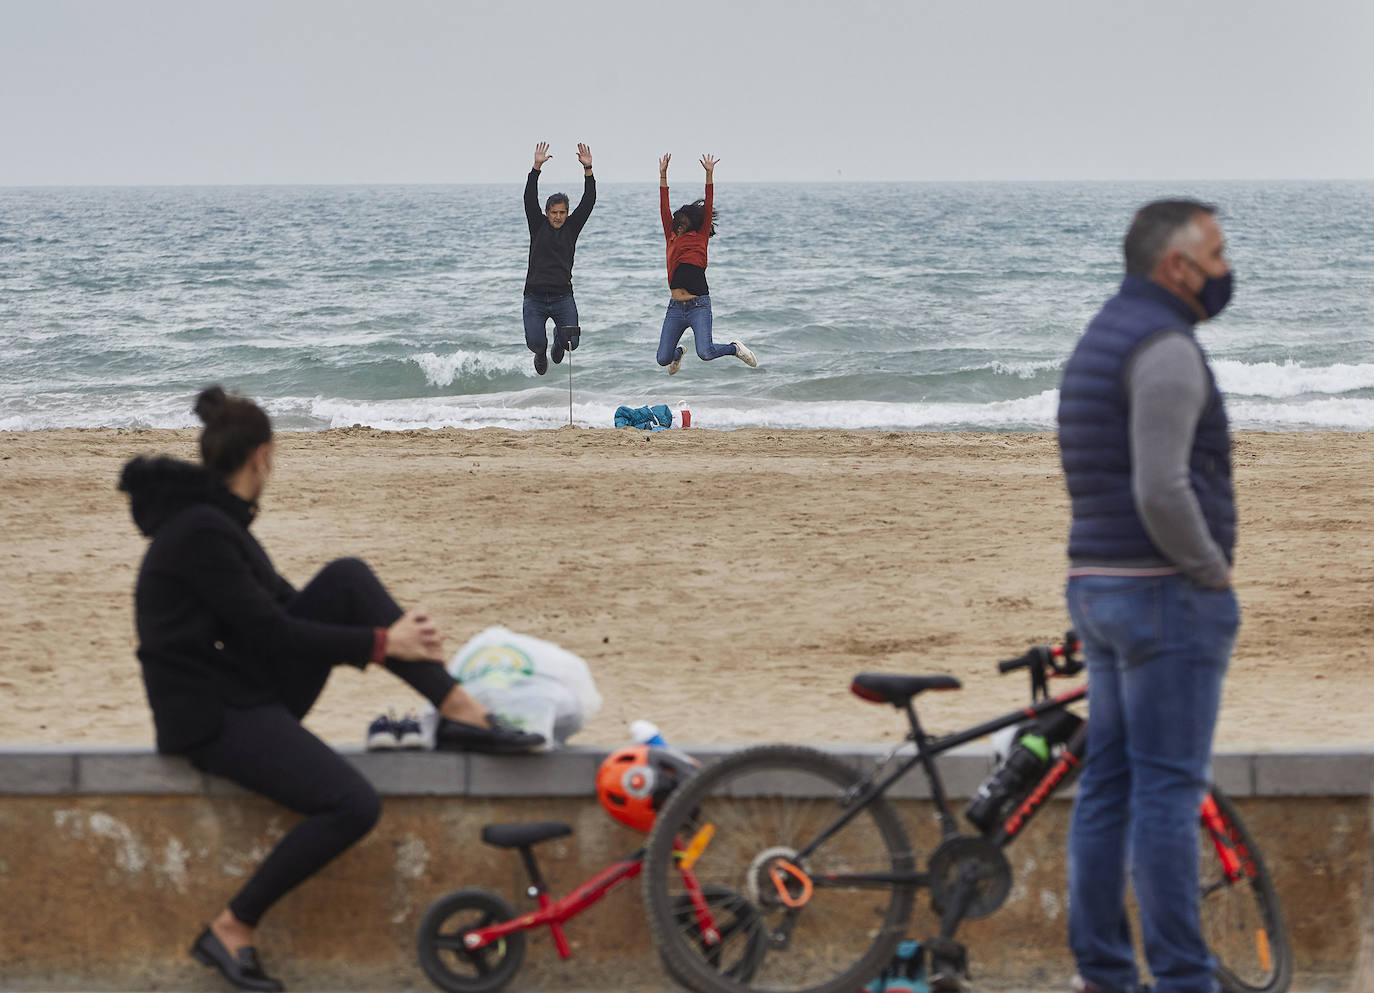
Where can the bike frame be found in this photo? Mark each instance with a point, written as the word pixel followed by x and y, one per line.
pixel 555 913
pixel 1235 859
pixel 927 749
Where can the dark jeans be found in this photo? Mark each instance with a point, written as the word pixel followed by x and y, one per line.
pixel 695 314
pixel 539 309
pixel 1157 649
pixel 265 749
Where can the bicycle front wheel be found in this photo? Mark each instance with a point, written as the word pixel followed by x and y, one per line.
pixel 1241 919
pixel 762 823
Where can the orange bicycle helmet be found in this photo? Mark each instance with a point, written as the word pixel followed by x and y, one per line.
pixel 633 782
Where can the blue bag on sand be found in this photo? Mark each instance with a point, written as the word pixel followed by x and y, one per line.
pixel 654 418
pixel 906 973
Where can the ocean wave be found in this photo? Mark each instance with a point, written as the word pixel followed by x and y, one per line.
pixel 541 408
pixel 443 370
pixel 1291 379
pixel 1328 414
pixel 1027 369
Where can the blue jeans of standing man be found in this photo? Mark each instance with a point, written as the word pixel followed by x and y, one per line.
pixel 695 314
pixel 1157 648
pixel 539 307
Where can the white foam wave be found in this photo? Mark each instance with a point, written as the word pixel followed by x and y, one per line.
pixel 543 408
pixel 442 370
pixel 1326 414
pixel 1290 379
pixel 1021 370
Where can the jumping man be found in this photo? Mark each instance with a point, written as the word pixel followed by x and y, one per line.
pixel 553 241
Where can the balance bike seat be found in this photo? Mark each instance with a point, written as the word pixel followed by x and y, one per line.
pixel 524 834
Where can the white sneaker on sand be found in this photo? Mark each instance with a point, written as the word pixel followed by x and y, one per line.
pixel 746 355
pixel 676 364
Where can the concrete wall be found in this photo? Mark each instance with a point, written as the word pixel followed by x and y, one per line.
pixel 111 860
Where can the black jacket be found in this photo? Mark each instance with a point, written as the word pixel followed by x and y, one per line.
pixel 552 250
pixel 211 612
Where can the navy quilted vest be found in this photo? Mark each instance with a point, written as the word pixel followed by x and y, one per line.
pixel 1093 432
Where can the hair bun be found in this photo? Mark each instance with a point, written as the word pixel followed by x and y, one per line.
pixel 211 404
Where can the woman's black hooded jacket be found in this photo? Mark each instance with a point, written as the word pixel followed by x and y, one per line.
pixel 211 612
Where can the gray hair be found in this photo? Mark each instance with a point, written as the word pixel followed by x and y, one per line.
pixel 1154 229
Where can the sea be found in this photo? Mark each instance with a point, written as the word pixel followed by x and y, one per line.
pixel 893 306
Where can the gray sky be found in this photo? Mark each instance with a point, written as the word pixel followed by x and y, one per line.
pixel 342 91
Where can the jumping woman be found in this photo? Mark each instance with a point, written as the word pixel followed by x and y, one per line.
pixel 687 231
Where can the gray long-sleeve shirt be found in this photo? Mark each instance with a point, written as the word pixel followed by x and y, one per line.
pixel 1168 387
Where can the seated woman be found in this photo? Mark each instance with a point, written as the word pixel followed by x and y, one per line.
pixel 233 657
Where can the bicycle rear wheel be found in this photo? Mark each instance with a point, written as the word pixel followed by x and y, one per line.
pixel 742 824
pixel 1241 919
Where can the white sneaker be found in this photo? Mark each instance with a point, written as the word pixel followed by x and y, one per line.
pixel 409 734
pixel 381 734
pixel 745 354
pixel 676 364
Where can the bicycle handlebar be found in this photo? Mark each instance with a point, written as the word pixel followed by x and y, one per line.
pixel 1020 662
pixel 1058 659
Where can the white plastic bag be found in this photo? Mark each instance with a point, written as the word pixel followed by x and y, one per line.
pixel 531 683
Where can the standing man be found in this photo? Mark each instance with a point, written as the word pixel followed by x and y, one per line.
pixel 553 241
pixel 1146 451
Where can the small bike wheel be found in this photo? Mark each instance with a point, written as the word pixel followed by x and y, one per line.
pixel 764 823
pixel 741 946
pixel 1241 919
pixel 447 960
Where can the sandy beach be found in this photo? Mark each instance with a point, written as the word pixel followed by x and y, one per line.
pixel 724 584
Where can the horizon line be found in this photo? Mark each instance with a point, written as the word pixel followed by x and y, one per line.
pixel 646 182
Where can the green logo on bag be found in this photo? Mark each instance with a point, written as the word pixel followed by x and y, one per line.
pixel 495 665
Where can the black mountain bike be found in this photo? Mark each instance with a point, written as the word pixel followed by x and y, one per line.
pixel 820 853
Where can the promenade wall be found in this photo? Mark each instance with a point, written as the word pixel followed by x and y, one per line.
pixel 112 859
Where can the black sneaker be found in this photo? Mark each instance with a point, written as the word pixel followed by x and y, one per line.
pixel 498 739
pixel 382 735
pixel 541 363
pixel 556 353
pixel 948 966
pixel 409 733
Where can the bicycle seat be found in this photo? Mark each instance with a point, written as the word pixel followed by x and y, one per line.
pixel 520 835
pixel 887 687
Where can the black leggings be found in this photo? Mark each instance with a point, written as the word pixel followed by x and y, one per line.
pixel 265 749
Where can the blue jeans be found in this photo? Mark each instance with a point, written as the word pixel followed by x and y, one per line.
pixel 1157 649
pixel 539 308
pixel 695 314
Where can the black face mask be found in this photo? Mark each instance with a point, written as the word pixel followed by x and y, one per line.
pixel 1216 291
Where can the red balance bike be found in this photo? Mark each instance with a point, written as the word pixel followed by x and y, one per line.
pixel 473 941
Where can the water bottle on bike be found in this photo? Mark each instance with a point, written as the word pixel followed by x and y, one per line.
pixel 1023 766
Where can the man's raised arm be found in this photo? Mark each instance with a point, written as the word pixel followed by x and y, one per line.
pixel 584 206
pixel 532 211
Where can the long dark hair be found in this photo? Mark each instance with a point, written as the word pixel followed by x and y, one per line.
pixel 691 216
pixel 234 428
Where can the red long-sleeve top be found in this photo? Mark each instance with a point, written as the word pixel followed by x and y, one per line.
pixel 690 246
